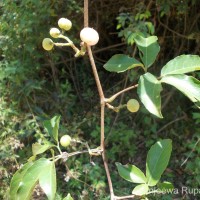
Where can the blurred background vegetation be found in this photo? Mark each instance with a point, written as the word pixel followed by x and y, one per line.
pixel 35 85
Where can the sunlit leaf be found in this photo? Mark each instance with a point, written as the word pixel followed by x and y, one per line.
pixel 149 49
pixel 47 180
pixel 32 158
pixel 131 173
pixel 68 197
pixel 120 63
pixel 149 90
pixel 17 180
pixel 25 179
pixel 188 85
pixel 157 160
pixel 140 190
pixel 41 148
pixel 181 64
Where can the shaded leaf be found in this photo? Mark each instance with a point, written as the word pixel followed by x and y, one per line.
pixel 120 63
pixel 181 64
pixel 47 180
pixel 149 49
pixel 52 127
pixel 140 190
pixel 197 104
pixel 188 85
pixel 157 160
pixel 165 186
pixel 131 173
pixel 38 148
pixel 149 89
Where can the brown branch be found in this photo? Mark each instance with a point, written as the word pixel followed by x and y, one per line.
pixel 109 47
pixel 86 18
pixel 125 197
pixel 193 149
pixel 171 30
pixel 112 98
pixel 96 76
pixel 102 101
pixel 120 102
pixel 149 5
pixel 167 99
pixel 166 125
pixel 70 174
pixel 112 196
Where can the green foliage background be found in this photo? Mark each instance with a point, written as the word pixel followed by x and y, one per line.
pixel 35 85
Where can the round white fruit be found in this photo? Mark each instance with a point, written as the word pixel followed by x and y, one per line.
pixel 65 23
pixel 54 32
pixel 65 140
pixel 89 36
pixel 133 105
pixel 47 44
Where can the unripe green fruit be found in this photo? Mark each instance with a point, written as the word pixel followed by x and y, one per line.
pixel 65 23
pixel 133 105
pixel 47 44
pixel 89 36
pixel 54 32
pixel 65 140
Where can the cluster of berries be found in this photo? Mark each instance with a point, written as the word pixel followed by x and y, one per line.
pixel 88 35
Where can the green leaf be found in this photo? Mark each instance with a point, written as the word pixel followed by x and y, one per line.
pixel 25 179
pixel 131 173
pixel 68 197
pixel 149 49
pixel 38 148
pixel 188 85
pixel 149 90
pixel 120 63
pixel 141 189
pixel 47 180
pixel 157 160
pixel 17 180
pixel 181 64
pixel 166 186
pixel 32 158
pixel 52 127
